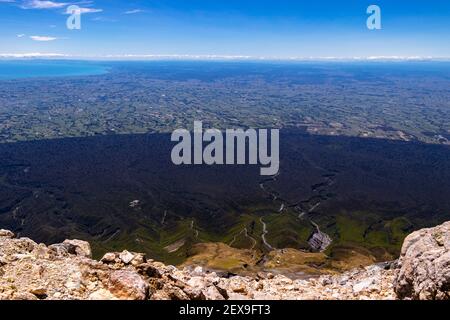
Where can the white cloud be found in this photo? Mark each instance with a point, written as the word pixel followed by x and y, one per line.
pixel 104 19
pixel 83 10
pixel 32 55
pixel 213 57
pixel 42 38
pixel 133 11
pixel 43 4
pixel 21 35
pixel 90 10
pixel 178 56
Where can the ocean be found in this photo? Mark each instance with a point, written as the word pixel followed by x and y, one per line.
pixel 19 69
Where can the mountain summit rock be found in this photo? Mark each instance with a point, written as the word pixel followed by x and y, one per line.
pixel 66 271
pixel 425 265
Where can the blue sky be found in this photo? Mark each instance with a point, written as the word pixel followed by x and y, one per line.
pixel 263 28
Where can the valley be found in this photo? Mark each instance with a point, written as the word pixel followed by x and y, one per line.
pixel 364 160
pixel 336 203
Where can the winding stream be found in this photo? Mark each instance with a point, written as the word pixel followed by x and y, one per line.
pixel 263 235
pixel 246 235
pixel 319 240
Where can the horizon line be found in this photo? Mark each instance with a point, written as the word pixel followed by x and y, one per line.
pixel 212 57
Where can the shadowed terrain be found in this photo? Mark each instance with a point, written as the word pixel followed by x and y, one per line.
pixel 122 191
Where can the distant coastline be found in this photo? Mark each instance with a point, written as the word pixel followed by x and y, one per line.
pixel 217 57
pixel 34 68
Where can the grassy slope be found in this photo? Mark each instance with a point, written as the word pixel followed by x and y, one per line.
pixel 359 238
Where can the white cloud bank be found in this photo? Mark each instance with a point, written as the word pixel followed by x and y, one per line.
pixel 47 4
pixel 89 10
pixel 211 57
pixel 42 38
pixel 43 4
pixel 134 11
pixel 32 55
pixel 265 58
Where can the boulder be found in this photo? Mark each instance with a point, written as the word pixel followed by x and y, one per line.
pixel 40 293
pixel 198 271
pixel 58 250
pixel 363 286
pixel 138 259
pixel 102 294
pixel 6 233
pixel 128 285
pixel 109 257
pixel 424 265
pixel 78 247
pixel 150 270
pixel 212 293
pixel 126 256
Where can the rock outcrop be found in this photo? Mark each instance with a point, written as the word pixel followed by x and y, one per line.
pixel 66 271
pixel 424 265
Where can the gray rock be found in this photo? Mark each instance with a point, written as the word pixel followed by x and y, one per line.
pixel 78 247
pixel 138 259
pixel 211 293
pixel 127 284
pixel 198 271
pixel 425 265
pixel 60 250
pixel 6 233
pixel 126 256
pixel 109 257
pixel 363 285
pixel 102 294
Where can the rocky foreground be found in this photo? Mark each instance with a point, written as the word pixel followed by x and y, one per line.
pixel 66 271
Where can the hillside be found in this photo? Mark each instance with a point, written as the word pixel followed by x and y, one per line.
pixel 123 192
pixel 66 271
